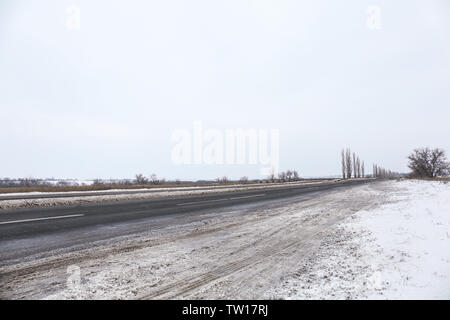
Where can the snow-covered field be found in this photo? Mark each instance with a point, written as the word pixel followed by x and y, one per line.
pixel 399 250
pixel 413 236
pixel 387 240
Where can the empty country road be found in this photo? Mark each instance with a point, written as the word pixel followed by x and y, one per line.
pixel 173 247
pixel 34 232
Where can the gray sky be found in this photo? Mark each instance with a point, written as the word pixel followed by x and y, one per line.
pixel 104 100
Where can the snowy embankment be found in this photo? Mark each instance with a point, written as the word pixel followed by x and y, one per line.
pixel 131 194
pixel 399 250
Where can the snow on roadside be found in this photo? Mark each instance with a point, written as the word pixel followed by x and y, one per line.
pixel 153 189
pixel 66 201
pixel 146 194
pixel 399 250
pixel 415 236
pixel 87 192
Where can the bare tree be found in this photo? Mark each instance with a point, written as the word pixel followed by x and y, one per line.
pixel 380 172
pixel 289 175
pixel 430 163
pixel 295 174
pixel 154 179
pixel 362 170
pixel 243 179
pixel 271 176
pixel 358 168
pixel 141 179
pixel 348 163
pixel 343 163
pixel 355 168
pixel 98 182
pixel 223 179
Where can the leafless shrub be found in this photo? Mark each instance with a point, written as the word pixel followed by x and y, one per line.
pixel 141 179
pixel 98 182
pixel 271 176
pixel 289 175
pixel 223 179
pixel 154 179
pixel 243 179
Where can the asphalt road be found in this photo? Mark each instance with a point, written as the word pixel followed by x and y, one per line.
pixel 28 233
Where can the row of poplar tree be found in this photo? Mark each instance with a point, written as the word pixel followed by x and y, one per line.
pixel 352 166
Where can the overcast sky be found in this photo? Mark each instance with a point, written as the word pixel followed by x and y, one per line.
pixel 104 100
